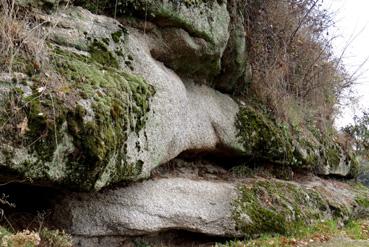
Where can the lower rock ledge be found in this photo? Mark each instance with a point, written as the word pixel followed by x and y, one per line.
pixel 176 206
pixel 152 206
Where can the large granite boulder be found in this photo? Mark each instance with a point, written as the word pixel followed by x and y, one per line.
pixel 108 111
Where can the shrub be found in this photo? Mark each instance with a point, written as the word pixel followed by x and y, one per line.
pixel 293 69
pixel 357 134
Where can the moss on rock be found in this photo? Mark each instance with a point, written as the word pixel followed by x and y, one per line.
pixel 263 138
pixel 194 18
pixel 113 104
pixel 194 32
pixel 75 132
pixel 275 207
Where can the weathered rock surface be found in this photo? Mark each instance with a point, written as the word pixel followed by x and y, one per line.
pixel 187 36
pixel 235 67
pixel 153 206
pixel 217 207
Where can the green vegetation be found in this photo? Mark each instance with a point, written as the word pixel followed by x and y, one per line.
pixel 266 139
pixel 320 232
pixel 363 201
pixel 117 104
pixel 357 134
pixel 294 72
pixel 21 48
pixel 298 80
pixel 276 207
pixel 101 54
pixel 116 36
pixel 262 137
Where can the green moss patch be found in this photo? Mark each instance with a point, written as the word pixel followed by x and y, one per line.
pixel 168 12
pixel 274 207
pixel 73 131
pixel 263 138
pixel 101 54
pixel 115 104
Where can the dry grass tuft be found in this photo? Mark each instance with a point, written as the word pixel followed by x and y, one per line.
pixel 42 238
pixel 21 47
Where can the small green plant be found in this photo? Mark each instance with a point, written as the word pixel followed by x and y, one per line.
pixel 362 201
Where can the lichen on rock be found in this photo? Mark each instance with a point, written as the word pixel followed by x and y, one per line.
pixel 192 34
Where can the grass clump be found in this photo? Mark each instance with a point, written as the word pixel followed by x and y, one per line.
pixel 27 238
pixel 22 48
pixel 55 238
pixel 363 201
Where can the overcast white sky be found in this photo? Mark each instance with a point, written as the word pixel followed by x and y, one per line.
pixel 352 19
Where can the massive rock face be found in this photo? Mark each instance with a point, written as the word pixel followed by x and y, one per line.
pixel 118 98
pixel 114 99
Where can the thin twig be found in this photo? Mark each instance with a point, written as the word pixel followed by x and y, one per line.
pixel 301 22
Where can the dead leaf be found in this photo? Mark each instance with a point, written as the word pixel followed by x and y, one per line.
pixel 23 126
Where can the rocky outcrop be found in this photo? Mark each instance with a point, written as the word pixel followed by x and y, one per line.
pixel 211 206
pixel 117 88
pixel 187 36
pixel 265 139
pixel 235 67
pixel 124 91
pixel 115 99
